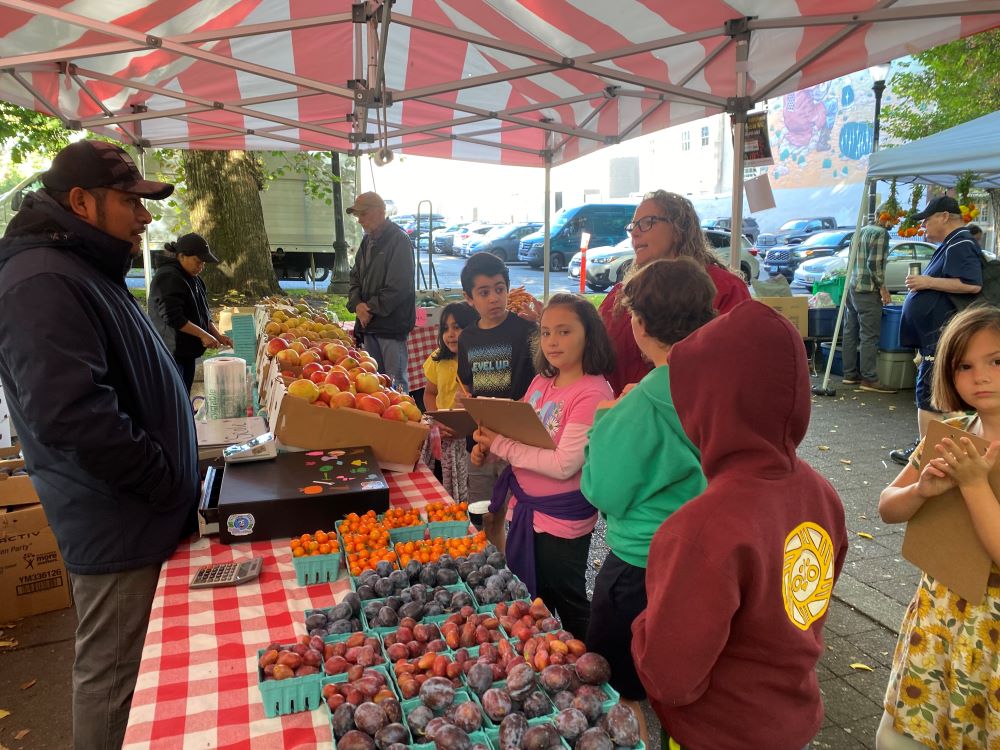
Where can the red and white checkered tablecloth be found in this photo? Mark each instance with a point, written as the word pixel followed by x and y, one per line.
pixel 197 685
pixel 420 344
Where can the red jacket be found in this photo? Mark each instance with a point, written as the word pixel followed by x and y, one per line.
pixel 630 367
pixel 728 644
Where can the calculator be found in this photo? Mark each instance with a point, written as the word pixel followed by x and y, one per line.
pixel 227 574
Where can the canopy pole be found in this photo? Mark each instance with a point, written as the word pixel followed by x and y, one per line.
pixel 548 218
pixel 739 30
pixel 147 253
pixel 824 389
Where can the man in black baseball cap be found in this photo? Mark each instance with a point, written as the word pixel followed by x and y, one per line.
pixel 949 281
pixel 101 412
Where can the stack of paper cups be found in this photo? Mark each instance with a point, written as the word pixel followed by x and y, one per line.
pixel 226 387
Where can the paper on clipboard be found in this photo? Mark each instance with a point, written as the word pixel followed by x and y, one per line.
pixel 940 538
pixel 516 420
pixel 458 421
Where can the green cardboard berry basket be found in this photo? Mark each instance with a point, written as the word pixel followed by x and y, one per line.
pixel 313 569
pixel 454 587
pixel 384 665
pixel 389 631
pixel 406 533
pixel 544 719
pixel 476 738
pixel 449 529
pixel 343 678
pixel 493 733
pixel 461 696
pixel 289 696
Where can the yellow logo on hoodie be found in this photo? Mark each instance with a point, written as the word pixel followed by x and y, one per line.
pixel 807 575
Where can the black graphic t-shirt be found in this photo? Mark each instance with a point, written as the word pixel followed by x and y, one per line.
pixel 496 362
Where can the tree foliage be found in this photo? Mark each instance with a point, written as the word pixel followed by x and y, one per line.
pixel 945 86
pixel 27 132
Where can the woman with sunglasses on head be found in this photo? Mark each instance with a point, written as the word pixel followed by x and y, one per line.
pixel 665 225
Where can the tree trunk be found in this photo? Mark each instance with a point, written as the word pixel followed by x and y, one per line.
pixel 223 197
pixel 994 194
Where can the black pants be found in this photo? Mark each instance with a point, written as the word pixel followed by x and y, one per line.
pixel 186 368
pixel 561 578
pixel 619 597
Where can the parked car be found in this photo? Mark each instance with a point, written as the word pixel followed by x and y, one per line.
pixel 749 223
pixel 462 237
pixel 901 254
pixel 607 266
pixel 784 259
pixel 416 232
pixel 501 241
pixel 795 230
pixel 443 240
pixel 605 222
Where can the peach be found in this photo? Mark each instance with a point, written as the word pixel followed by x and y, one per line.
pixel 366 382
pixel 410 410
pixel 304 389
pixel 309 356
pixel 338 378
pixel 276 345
pixel 367 402
pixel 348 362
pixel 288 357
pixel 308 368
pixel 327 392
pixel 335 351
pixel 343 400
pixel 369 366
pixel 297 346
pixel 394 412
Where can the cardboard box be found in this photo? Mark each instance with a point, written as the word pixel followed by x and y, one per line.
pixel 33 578
pixel 796 309
pixel 313 490
pixel 301 425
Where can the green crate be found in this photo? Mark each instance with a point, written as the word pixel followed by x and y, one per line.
pixel 289 696
pixel 448 529
pixel 313 569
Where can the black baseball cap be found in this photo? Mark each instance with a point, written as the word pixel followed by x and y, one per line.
pixel 938 205
pixel 96 164
pixel 196 245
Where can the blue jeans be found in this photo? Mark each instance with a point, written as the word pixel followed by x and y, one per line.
pixel 863 315
pixel 392 359
pixel 112 612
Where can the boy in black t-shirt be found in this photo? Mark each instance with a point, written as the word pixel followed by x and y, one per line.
pixel 494 359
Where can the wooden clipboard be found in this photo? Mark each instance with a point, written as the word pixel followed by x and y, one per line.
pixel 516 420
pixel 458 421
pixel 940 538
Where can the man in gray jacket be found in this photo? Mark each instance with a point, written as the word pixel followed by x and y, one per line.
pixel 103 417
pixel 382 292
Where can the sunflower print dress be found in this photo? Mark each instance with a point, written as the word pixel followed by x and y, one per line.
pixel 944 688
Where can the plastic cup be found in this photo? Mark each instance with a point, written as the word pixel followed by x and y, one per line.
pixel 476 512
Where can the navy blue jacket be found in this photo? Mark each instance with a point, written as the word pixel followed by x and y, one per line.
pixel 97 401
pixel 175 299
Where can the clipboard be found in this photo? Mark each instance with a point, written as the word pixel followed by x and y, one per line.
pixel 516 420
pixel 457 420
pixel 940 538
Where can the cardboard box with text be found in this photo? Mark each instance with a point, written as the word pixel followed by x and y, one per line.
pixel 796 309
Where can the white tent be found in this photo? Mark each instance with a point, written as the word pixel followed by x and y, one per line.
pixel 939 159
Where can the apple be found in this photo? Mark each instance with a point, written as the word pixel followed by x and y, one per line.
pixel 366 382
pixel 327 391
pixel 343 400
pixel 318 377
pixel 338 378
pixel 304 389
pixel 308 368
pixel 288 357
pixel 335 351
pixel 394 412
pixel 275 345
pixel 367 402
pixel 410 410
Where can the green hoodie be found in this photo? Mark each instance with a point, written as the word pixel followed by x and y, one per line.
pixel 640 466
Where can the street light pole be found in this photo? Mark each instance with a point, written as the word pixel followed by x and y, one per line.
pixel 878 73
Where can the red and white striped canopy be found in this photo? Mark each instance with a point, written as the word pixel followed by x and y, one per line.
pixel 487 80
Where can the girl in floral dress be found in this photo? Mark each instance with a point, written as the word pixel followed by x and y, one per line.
pixel 944 689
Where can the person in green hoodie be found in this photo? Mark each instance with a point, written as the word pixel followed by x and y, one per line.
pixel 640 466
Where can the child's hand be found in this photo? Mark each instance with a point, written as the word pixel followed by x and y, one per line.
pixel 934 479
pixel 484 437
pixel 477 457
pixel 964 463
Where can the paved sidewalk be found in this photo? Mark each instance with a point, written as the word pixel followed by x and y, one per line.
pixel 848 442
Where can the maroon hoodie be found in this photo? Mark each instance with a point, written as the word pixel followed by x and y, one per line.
pixel 728 644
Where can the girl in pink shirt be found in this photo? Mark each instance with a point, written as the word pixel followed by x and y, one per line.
pixel 551 521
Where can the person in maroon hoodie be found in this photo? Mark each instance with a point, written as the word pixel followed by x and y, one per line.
pixel 728 644
pixel 665 225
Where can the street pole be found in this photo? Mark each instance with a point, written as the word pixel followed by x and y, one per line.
pixel 340 283
pixel 879 73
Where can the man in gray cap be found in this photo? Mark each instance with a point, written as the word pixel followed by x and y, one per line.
pixel 382 292
pixel 104 421
pixel 955 268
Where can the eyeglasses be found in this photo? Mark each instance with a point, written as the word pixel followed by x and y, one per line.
pixel 645 223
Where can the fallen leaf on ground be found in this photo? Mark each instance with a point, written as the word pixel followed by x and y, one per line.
pixel 823 447
pixel 4 714
pixel 20 735
pixel 862 667
pixel 28 684
pixel 8 644
pixel 865 535
pixel 846 461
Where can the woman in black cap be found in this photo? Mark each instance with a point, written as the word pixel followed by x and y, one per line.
pixel 178 303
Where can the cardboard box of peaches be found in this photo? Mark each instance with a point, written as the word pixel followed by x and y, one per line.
pixel 324 393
